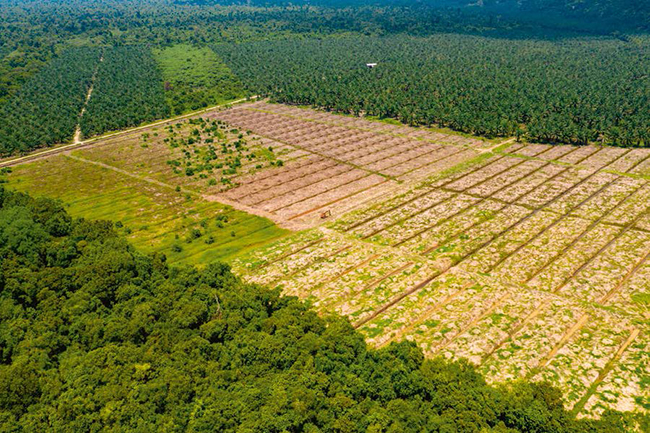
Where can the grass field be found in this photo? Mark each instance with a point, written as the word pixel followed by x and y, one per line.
pixel 529 260
pixel 195 78
pixel 156 217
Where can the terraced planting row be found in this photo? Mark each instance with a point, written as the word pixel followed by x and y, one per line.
pixel 530 261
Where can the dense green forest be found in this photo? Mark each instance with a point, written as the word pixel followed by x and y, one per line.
pixel 578 91
pixel 128 90
pixel 97 336
pixel 46 109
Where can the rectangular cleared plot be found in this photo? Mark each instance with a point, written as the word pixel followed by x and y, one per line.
pixel 503 180
pixel 477 238
pixel 424 220
pixel 434 160
pixel 604 157
pixel 517 234
pixel 556 187
pixel 512 193
pixel 579 155
pixel 528 348
pixel 364 302
pixel 625 386
pixel 331 196
pixel 443 326
pixel 301 283
pixel 257 260
pixel 579 362
pixel 415 308
pixel 604 275
pixel 556 273
pixel 336 292
pixel 488 334
pixel 642 169
pixel 587 190
pixel 633 208
pixel 557 152
pixel 541 250
pixel 607 201
pixel 533 149
pixel 294 189
pixel 483 174
pixel 634 295
pixel 454 227
pixel 275 272
pixel 344 176
pixel 629 160
pixel 433 171
pixel 408 210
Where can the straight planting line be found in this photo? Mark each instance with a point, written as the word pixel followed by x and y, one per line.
pixel 420 167
pixel 293 217
pixel 427 313
pixel 580 237
pixel 496 304
pixel 317 260
pixel 561 218
pixel 289 254
pixel 579 406
pixel 382 213
pixel 408 292
pixel 351 127
pixel 361 176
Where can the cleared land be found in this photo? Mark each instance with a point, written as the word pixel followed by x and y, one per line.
pixel 530 260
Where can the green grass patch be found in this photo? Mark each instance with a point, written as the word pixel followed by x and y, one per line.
pixel 154 218
pixel 195 78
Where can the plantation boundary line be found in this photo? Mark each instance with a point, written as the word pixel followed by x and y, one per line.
pixel 581 236
pixel 304 119
pixel 579 406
